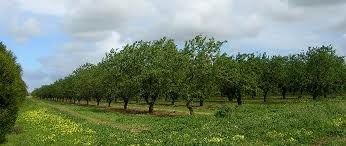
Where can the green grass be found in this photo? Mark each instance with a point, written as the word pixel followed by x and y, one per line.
pixel 292 122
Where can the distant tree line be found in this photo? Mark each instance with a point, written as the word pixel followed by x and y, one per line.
pixel 12 87
pixel 151 70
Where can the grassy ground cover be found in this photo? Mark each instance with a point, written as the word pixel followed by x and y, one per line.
pixel 291 122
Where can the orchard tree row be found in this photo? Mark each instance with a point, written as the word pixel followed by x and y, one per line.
pixel 151 70
pixel 11 88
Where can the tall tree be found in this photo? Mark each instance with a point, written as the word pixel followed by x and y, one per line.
pixel 323 67
pixel 280 77
pixel 201 53
pixel 297 73
pixel 265 75
pixel 156 59
pixel 129 68
pixel 11 87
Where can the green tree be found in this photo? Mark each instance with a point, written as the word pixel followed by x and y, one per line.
pixel 265 73
pixel 236 76
pixel 128 69
pixel 110 72
pixel 156 59
pixel 201 54
pixel 246 76
pixel 323 70
pixel 297 73
pixel 227 70
pixel 280 76
pixel 84 85
pixel 11 87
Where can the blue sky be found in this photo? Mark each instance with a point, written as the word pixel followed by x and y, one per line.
pixel 52 37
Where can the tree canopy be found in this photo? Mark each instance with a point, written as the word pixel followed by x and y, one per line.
pixel 11 88
pixel 160 70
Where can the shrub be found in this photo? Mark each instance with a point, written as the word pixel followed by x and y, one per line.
pixel 223 112
pixel 10 75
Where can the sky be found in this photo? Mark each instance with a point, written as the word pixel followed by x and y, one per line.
pixel 52 37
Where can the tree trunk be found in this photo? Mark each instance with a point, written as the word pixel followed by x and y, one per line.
pixel 98 102
pixel 265 96
pixel 301 93
pixel 253 95
pixel 201 101
pixel 151 107
pixel 126 102
pixel 315 94
pixel 173 101
pixel 152 103
pixel 325 92
pixel 239 102
pixel 109 103
pixel 189 106
pixel 314 97
pixel 229 96
pixel 137 100
pixel 284 91
pixel 87 102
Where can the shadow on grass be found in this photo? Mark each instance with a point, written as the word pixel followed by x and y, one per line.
pixel 133 111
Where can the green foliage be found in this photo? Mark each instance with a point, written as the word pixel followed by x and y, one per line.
pixel 324 70
pixel 158 70
pixel 300 122
pixel 223 112
pixel 155 60
pixel 11 88
pixel 236 75
pixel 200 54
pixel 297 73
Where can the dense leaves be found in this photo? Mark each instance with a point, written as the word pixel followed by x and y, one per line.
pixel 11 88
pixel 159 70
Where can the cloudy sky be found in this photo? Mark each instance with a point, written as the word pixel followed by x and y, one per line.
pixel 52 37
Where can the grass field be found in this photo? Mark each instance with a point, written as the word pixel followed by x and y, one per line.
pixel 293 122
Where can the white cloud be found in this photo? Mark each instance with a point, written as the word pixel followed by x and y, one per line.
pixel 24 30
pixel 153 19
pixel 73 54
pixel 113 41
pixel 100 17
pixel 314 3
pixel 214 18
pixel 92 27
pixel 44 7
pixel 36 78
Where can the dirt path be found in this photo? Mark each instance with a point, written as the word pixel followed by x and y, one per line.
pixel 134 128
pixel 99 121
pixel 137 109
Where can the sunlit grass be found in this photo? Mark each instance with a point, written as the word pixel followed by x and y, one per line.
pixel 306 122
